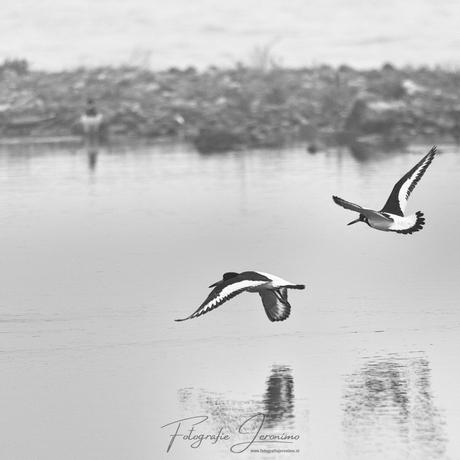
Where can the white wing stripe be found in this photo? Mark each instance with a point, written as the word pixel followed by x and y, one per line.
pixel 229 290
pixel 275 280
pixel 409 185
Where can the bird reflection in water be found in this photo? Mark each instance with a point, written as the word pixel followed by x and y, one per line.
pixel 279 396
pixel 92 124
pixel 389 411
pixel 92 159
pixel 277 403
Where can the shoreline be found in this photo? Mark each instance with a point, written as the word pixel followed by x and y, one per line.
pixel 235 108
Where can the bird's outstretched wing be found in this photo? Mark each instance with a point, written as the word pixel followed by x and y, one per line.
pixel 276 304
pixel 370 213
pixel 397 201
pixel 347 205
pixel 222 292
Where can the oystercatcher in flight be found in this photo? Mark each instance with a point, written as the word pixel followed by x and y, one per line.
pixel 272 290
pixel 391 217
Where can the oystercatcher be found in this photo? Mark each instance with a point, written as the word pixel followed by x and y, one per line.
pixel 391 217
pixel 272 290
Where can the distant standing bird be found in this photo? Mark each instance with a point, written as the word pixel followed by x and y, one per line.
pixel 91 121
pixel 272 290
pixel 391 217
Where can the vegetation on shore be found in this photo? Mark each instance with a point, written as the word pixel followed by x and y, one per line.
pixel 244 106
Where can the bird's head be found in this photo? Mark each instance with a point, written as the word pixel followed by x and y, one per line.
pixel 361 218
pixel 225 277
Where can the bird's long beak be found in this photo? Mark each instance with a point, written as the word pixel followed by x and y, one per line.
pixel 354 221
pixel 215 284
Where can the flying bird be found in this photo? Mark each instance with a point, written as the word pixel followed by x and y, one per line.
pixel 391 217
pixel 272 290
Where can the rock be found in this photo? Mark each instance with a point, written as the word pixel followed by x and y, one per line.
pixel 212 139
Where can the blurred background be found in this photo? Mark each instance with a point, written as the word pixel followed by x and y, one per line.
pixel 230 76
pixel 161 34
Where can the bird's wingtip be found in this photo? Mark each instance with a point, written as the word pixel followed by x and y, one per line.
pixel 336 199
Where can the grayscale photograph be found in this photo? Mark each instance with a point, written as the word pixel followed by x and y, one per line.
pixel 229 230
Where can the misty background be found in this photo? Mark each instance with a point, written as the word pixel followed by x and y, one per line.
pixel 56 35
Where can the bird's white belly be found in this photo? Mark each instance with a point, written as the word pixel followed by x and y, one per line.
pixel 91 123
pixel 381 222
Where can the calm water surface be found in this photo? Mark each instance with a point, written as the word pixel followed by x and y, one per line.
pixel 99 258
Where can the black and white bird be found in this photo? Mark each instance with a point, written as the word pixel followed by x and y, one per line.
pixel 272 290
pixel 391 217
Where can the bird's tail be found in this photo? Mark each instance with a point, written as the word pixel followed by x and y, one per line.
pixel 297 286
pixel 419 222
